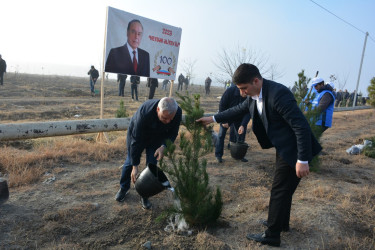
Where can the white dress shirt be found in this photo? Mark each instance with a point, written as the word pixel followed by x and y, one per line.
pixel 259 101
pixel 131 52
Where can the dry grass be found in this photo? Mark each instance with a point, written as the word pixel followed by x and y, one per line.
pixel 206 241
pixel 27 166
pixel 73 215
pixel 358 209
pixel 324 192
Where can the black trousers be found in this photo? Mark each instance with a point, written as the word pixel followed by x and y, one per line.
pixel 284 184
pixel 179 86
pixel 134 88
pixel 152 91
pixel 121 88
pixel 1 78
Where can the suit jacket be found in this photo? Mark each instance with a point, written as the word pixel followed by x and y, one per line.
pixel 119 61
pixel 3 66
pixel 146 130
pixel 135 80
pixel 231 98
pixel 282 124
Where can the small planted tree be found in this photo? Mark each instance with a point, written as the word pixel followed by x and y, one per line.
pixel 199 205
pixel 304 97
pixel 371 92
pixel 121 111
pixel 301 86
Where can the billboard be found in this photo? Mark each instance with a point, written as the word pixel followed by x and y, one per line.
pixel 136 45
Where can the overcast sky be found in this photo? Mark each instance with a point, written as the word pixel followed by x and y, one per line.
pixel 66 37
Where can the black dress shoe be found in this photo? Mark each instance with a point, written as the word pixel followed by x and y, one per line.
pixel 120 196
pixel 264 223
pixel 146 204
pixel 219 159
pixel 244 160
pixel 264 239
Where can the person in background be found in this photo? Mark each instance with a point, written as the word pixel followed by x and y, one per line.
pixel 165 84
pixel 332 85
pixel 345 98
pixel 187 81
pixel 3 69
pixel 238 126
pixel 155 122
pixel 134 81
pixel 207 85
pixel 181 80
pixel 363 101
pixel 94 75
pixel 152 83
pixel 277 122
pixel 338 100
pixel 121 79
pixel 350 101
pixel 227 84
pixel 324 101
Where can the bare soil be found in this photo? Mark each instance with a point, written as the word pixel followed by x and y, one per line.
pixel 72 205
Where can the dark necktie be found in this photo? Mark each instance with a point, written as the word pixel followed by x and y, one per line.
pixel 135 63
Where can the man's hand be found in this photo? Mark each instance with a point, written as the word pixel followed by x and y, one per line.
pixel 241 129
pixel 225 125
pixel 302 170
pixel 134 174
pixel 159 153
pixel 205 120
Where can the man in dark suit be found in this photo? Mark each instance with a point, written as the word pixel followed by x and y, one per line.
pixel 152 83
pixel 121 79
pixel 129 59
pixel 154 122
pixel 3 69
pixel 277 122
pixel 181 80
pixel 238 125
pixel 94 75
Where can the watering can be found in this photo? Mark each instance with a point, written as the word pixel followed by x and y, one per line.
pixel 238 149
pixel 151 181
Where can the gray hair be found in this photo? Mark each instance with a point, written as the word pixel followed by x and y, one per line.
pixel 169 104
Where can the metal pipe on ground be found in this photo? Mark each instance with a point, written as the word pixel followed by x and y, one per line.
pixel 19 131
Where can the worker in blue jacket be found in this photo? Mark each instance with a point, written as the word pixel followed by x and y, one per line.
pixel 324 101
pixel 155 122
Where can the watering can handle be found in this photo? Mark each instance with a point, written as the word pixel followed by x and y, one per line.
pixel 237 135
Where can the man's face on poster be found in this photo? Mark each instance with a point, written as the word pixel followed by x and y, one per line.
pixel 134 34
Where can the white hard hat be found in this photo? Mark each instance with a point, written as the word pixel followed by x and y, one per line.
pixel 316 80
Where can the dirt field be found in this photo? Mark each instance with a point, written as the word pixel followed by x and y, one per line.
pixel 69 203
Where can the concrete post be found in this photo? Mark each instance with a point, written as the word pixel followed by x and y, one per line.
pixel 359 74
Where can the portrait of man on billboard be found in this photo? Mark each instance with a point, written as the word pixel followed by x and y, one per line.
pixel 129 59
